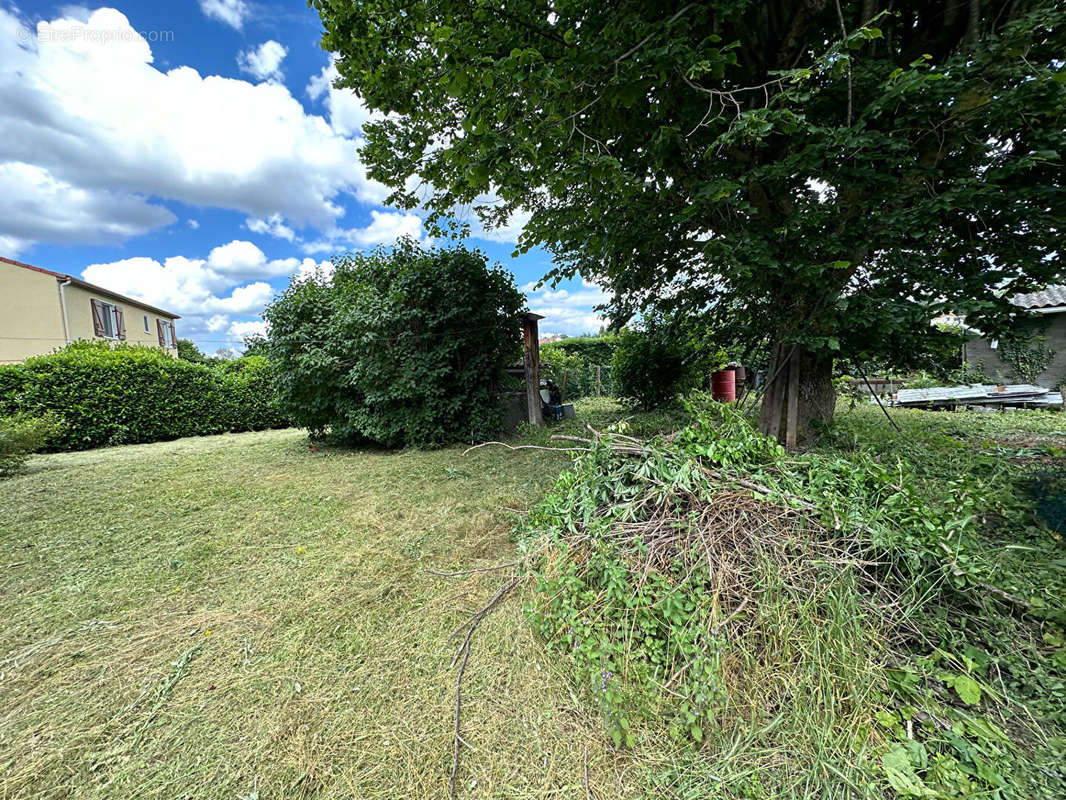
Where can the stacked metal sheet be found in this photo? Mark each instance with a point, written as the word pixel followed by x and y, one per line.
pixel 1021 395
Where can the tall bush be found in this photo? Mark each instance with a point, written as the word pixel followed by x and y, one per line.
pixel 401 347
pixel 125 394
pixel 653 365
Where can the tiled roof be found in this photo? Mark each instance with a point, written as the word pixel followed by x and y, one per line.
pixel 1051 297
pixel 92 287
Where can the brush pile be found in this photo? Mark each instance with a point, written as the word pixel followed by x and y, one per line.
pixel 683 591
pixel 783 613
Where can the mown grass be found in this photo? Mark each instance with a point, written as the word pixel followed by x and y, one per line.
pixel 241 616
pixel 226 615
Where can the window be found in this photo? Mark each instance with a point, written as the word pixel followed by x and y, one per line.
pixel 107 320
pixel 167 336
pixel 146 328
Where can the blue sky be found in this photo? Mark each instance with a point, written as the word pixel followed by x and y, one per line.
pixel 195 154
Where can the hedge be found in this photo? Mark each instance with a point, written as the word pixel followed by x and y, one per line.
pixel 593 349
pixel 126 394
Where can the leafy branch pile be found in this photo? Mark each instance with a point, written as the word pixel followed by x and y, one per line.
pixel 707 587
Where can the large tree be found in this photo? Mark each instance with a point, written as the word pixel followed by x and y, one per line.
pixel 826 175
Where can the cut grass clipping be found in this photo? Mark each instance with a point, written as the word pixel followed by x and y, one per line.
pixel 754 621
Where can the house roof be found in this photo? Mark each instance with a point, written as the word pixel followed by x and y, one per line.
pixel 92 287
pixel 1051 297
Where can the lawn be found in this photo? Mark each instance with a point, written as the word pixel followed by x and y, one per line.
pixel 241 616
pixel 226 615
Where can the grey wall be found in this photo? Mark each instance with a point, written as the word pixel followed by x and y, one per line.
pixel 978 353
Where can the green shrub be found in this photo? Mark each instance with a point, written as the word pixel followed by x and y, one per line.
pixel 591 349
pixel 399 347
pixel 22 434
pixel 653 365
pixel 125 394
pixel 14 378
pixel 188 351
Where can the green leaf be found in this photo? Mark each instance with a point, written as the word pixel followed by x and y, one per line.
pixel 898 765
pixel 887 719
pixel 968 690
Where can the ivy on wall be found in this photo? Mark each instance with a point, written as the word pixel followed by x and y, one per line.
pixel 1028 358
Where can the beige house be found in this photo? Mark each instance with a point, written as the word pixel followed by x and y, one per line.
pixel 46 310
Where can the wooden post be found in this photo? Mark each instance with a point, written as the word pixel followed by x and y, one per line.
pixel 792 421
pixel 531 348
pixel 774 394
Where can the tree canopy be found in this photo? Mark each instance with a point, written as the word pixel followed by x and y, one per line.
pixel 830 175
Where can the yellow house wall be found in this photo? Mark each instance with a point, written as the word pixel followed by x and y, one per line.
pixel 30 323
pixel 80 315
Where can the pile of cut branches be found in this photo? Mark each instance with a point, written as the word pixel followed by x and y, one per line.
pixel 707 587
pixel 665 582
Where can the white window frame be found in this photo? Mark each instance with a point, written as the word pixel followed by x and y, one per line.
pixel 109 316
pixel 146 328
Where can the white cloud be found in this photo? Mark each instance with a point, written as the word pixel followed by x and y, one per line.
pixel 206 292
pixel 242 330
pixel 74 11
pixel 105 130
pixel 229 12
pixel 194 224
pixel 347 111
pixel 264 62
pixel 30 196
pixel 505 234
pixel 274 226
pixel 11 246
pixel 569 311
pixel 312 269
pixel 244 259
pixel 385 228
pixel 250 299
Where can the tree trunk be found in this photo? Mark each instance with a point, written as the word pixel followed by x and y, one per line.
pixel 799 397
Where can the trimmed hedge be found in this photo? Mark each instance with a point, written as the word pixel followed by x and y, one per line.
pixel 127 394
pixel 593 349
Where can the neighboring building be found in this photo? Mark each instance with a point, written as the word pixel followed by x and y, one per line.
pixel 45 310
pixel 986 353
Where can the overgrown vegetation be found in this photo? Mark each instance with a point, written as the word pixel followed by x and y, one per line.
pixel 108 395
pixel 581 366
pixel 1028 357
pixel 405 346
pixel 846 607
pixel 665 357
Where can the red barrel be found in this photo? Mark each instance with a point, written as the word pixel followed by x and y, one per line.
pixel 724 385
